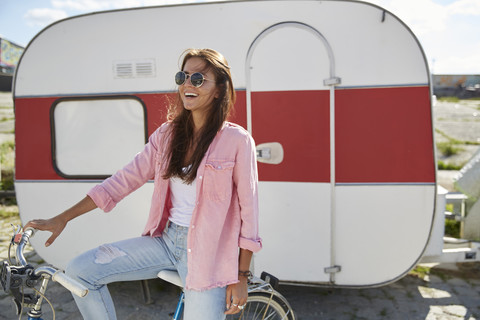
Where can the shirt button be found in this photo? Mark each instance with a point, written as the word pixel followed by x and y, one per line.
pixel 201 177
pixel 193 226
pixel 189 250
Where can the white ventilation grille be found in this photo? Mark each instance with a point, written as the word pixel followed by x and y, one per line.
pixel 123 70
pixel 134 69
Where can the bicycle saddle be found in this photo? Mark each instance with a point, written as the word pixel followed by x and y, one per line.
pixel 171 276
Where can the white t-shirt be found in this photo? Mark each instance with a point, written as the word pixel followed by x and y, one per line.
pixel 183 198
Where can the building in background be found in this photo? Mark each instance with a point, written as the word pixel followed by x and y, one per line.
pixel 9 56
pixel 455 85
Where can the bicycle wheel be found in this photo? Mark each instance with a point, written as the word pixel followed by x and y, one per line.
pixel 261 307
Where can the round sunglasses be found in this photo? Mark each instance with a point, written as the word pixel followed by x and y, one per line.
pixel 196 79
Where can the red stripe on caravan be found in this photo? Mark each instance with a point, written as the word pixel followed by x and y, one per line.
pixel 33 133
pixel 33 159
pixel 299 121
pixel 384 135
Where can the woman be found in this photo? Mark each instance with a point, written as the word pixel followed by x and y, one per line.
pixel 203 220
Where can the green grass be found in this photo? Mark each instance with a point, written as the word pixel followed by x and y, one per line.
pixel 452 228
pixel 7 119
pixel 448 166
pixel 456 141
pixel 420 272
pixel 7 146
pixel 456 99
pixel 6 151
pixel 8 212
pixel 7 165
pixel 423 271
pixel 7 180
pixel 448 148
pixel 383 312
pixel 449 99
pixel 442 275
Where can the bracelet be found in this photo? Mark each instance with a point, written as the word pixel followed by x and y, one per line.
pixel 245 273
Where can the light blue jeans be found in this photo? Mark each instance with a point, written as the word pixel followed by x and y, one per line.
pixel 138 259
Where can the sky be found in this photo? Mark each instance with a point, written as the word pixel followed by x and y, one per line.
pixel 448 30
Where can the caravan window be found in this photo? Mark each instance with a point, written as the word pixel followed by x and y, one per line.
pixel 96 137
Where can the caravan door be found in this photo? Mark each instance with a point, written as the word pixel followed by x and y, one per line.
pixel 288 103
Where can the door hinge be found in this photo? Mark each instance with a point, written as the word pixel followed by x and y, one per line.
pixel 332 81
pixel 333 269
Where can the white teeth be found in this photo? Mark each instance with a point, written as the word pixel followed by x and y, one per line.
pixel 189 94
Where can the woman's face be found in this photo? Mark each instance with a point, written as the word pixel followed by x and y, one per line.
pixel 198 100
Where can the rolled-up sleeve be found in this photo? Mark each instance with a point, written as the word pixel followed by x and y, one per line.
pixel 131 177
pixel 245 177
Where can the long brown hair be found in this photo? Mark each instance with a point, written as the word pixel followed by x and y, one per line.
pixel 182 133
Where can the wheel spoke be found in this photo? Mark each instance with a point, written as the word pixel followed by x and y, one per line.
pixel 262 307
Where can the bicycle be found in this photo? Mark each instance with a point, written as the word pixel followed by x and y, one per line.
pixel 16 276
pixel 264 301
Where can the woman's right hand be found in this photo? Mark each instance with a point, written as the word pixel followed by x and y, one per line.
pixel 55 225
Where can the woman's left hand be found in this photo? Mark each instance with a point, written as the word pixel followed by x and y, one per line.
pixel 237 295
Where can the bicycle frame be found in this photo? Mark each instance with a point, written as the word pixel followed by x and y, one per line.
pixel 14 278
pixel 179 310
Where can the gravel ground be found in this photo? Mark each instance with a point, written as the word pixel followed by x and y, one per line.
pixel 447 292
pixel 461 122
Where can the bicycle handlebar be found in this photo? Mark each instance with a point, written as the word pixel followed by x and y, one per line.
pixel 25 237
pixel 60 277
pixel 56 275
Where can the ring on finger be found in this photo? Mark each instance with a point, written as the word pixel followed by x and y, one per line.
pixel 242 306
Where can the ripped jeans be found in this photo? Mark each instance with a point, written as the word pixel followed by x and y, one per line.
pixel 138 259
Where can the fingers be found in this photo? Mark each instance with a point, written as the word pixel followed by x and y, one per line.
pixel 241 306
pixel 235 304
pixel 235 307
pixel 229 297
pixel 237 295
pixel 46 225
pixel 38 224
pixel 30 224
pixel 50 240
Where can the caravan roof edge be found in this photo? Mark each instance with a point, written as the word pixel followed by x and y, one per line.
pixel 215 2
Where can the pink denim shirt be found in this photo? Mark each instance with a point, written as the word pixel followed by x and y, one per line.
pixel 226 215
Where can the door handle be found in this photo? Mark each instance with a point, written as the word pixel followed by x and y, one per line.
pixel 270 152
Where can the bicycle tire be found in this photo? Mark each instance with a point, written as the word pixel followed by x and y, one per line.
pixel 256 309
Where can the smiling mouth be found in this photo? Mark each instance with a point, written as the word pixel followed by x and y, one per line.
pixel 190 95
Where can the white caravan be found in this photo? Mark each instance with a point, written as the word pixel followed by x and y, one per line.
pixel 341 87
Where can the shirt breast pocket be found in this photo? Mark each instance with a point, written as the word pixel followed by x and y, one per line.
pixel 218 181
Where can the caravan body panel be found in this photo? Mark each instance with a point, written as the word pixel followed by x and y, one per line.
pixel 343 86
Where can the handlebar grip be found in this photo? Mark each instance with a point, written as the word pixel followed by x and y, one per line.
pixel 70 284
pixel 30 231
